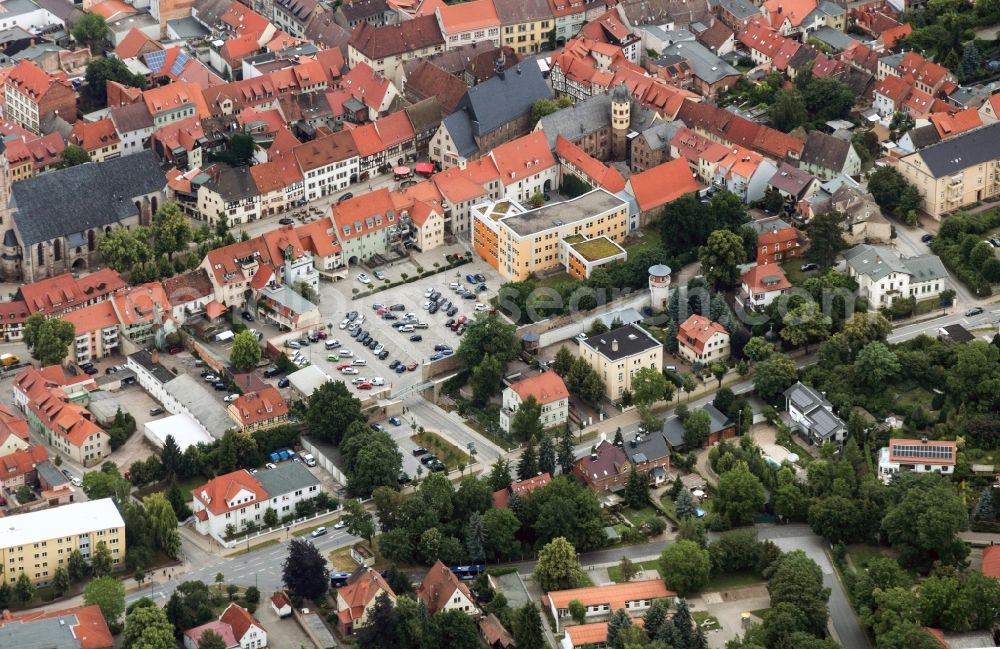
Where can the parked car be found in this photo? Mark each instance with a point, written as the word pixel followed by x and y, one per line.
pixel 470 278
pixel 976 310
pixel 364 279
pixel 230 398
pixel 394 364
pixel 246 315
pixel 379 275
pixel 332 344
pixel 427 459
pixel 378 427
pixel 412 366
pixel 345 353
pixel 349 370
pixel 416 338
pixel 220 386
pixel 927 238
pixel 359 362
pixel 345 197
pixel 482 278
pixel 339 525
pixel 365 386
pixel 481 288
pixel 319 531
pixel 482 307
pixel 285 221
pixel 384 354
pixel 807 267
pixel 420 450
pixel 283 382
pixel 398 307
pixel 400 368
pixel 395 421
pixel 153 412
pixel 271 372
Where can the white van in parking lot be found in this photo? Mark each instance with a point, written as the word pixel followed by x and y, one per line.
pixel 378 380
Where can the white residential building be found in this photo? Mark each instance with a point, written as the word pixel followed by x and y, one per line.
pixel 549 392
pixel 883 275
pixel 237 499
pixel 918 455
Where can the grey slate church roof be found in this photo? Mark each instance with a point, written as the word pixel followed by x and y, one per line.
pixel 92 195
pixel 590 116
pixel 502 98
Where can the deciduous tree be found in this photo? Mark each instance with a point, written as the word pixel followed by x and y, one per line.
pixel 557 567
pixel 304 571
pixel 48 338
pixel 108 594
pixel 740 494
pixel 685 567
pixel 826 238
pixel 720 256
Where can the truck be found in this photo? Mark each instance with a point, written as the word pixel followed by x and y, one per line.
pixel 6 360
pixel 224 336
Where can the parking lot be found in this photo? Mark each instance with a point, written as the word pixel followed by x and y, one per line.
pixel 336 302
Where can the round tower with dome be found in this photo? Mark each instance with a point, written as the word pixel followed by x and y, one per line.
pixel 659 286
pixel 621 117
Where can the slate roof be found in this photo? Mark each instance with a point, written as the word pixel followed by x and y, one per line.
pixel 513 12
pixel 660 134
pixel 833 37
pixel 631 340
pixel 288 477
pixel 706 64
pixel 651 447
pixel 740 9
pixel 816 408
pixel 877 262
pixel 501 99
pixel 825 151
pixel 91 195
pixel 580 119
pixel 966 150
pixel 658 12
pixel 460 128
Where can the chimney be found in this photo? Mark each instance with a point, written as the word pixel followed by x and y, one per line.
pixel 614 345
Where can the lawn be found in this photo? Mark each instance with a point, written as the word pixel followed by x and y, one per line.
pixel 640 516
pixel 597 249
pixel 705 620
pixel 861 554
pixel 915 397
pixel 615 572
pixel 308 530
pixel 650 238
pixel 186 487
pixel 794 275
pixel 445 451
pixel 732 580
pixel 254 548
pixel 555 280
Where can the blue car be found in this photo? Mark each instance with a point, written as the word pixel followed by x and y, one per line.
pixel 436 357
pixel 471 279
pixel 395 421
pixel 400 368
pixel 283 382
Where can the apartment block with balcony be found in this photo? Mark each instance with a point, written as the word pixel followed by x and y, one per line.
pixel 96 329
pixel 957 172
pixel 39 543
pixel 519 242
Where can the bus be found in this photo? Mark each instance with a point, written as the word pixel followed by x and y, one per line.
pixel 468 573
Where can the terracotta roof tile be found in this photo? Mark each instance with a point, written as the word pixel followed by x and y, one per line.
pixel 607 177
pixel 662 184
pixel 697 330
pixel 439 586
pixel 217 493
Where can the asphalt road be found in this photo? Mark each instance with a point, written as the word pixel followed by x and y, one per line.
pixel 261 568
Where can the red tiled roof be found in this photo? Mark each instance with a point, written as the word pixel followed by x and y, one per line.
pixel 522 158
pixel 439 586
pixel 94 135
pixel 893 34
pixel 12 424
pixel 136 43
pixel 318 237
pixel 32 80
pixel 21 462
pixel 239 619
pixel 695 147
pixel 89 629
pixel 254 407
pixel 522 488
pixel 595 633
pixel 363 587
pixel 94 317
pixel 221 629
pixel 951 125
pixel 111 8
pixel 610 461
pixel 765 278
pixel 466 16
pixel 614 594
pixel 991 561
pixel 794 10
pixel 170 96
pixel 218 492
pixel 546 387
pixel 68 420
pixel 662 184
pixel 696 331
pixel 363 214
pixel 603 176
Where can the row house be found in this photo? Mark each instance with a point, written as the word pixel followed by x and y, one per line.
pixel 468 22
pixel 328 164
pixel 99 139
pixel 386 142
pixel 14 432
pixel 13 315
pixel 59 295
pixel 133 126
pixel 174 102
pixel 29 156
pixel 67 426
pixel 570 16
pixel 609 28
pixel 373 90
pixel 280 183
pixel 228 193
pixel 32 94
pixel 575 161
pixel 181 143
pixel 525 24
pixel 745 173
pixel 386 48
pixel 728 128
pixel 800 17
pixel 188 294
pixel 96 332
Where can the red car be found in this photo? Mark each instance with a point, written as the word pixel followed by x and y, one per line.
pixel 343 367
pixel 411 366
pixel 321 335
pixel 461 319
pixel 365 386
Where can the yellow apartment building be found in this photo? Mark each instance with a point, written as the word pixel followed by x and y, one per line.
pixel 955 173
pixel 618 354
pixel 524 24
pixel 37 543
pixel 519 242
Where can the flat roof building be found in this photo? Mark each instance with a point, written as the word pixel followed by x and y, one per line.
pixel 37 543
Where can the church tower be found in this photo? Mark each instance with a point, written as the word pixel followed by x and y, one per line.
pixel 620 119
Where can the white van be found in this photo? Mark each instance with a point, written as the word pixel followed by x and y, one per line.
pixel 378 380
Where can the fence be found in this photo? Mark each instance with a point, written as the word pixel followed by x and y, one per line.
pixel 230 545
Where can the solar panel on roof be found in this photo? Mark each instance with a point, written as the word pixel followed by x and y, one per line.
pixel 179 63
pixel 922 451
pixel 155 60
